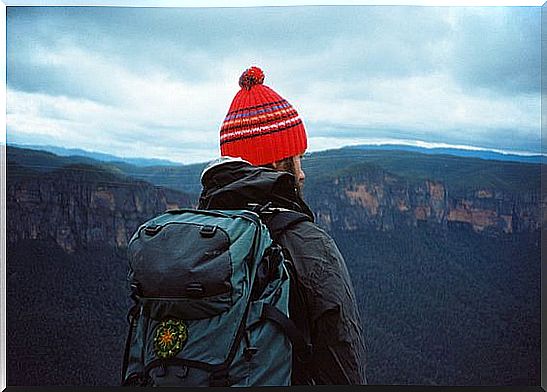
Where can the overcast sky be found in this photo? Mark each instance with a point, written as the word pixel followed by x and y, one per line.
pixel 157 82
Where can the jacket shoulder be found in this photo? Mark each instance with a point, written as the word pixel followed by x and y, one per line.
pixel 316 257
pixel 308 231
pixel 311 240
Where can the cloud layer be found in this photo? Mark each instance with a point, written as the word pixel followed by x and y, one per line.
pixel 157 82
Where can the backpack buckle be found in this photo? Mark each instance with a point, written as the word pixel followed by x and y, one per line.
pixel 152 230
pixel 207 231
pixel 259 208
pixel 135 291
pixel 249 352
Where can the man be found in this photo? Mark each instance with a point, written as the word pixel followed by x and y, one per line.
pixel 262 140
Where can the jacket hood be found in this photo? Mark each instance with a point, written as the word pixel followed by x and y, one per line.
pixel 233 183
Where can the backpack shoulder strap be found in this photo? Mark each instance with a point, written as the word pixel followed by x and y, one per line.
pixel 279 220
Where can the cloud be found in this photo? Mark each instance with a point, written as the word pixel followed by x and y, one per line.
pixel 431 106
pixel 497 48
pixel 145 129
pixel 158 81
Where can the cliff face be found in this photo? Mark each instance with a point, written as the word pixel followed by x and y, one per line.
pixel 81 210
pixel 82 206
pixel 378 199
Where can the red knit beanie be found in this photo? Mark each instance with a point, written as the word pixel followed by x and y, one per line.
pixel 261 127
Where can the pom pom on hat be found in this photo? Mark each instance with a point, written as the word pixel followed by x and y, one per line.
pixel 251 77
pixel 261 127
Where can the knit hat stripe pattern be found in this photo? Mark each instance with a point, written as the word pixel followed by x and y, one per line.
pixel 271 116
pixel 261 126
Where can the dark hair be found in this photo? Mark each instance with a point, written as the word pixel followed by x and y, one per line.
pixel 286 164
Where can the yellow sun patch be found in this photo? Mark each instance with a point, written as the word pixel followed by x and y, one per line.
pixel 170 338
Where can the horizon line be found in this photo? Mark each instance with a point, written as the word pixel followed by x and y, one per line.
pixel 438 145
pixel 355 143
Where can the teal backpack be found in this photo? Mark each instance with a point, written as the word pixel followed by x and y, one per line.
pixel 211 297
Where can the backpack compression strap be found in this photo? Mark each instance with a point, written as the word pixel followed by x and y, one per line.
pixel 302 348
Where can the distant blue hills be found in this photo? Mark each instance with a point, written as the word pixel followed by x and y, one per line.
pixel 143 162
pixel 99 156
pixel 481 154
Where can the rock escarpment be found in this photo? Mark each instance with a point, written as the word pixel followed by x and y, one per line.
pixel 82 206
pixel 376 198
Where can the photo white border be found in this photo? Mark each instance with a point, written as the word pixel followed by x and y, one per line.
pixel 276 3
pixel 3 210
pixel 223 4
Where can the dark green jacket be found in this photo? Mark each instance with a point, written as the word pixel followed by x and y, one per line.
pixel 323 303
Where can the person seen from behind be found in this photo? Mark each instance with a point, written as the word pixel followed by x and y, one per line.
pixel 262 141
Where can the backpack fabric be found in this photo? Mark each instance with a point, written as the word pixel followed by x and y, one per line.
pixel 323 305
pixel 211 292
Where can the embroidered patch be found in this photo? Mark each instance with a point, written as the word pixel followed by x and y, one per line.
pixel 170 338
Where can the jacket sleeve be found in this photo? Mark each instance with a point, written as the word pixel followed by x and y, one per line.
pixel 334 323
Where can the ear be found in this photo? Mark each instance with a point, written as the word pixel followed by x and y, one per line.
pixel 275 165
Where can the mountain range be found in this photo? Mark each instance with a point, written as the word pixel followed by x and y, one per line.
pixel 444 253
pixel 97 156
pixel 470 152
pixel 459 152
